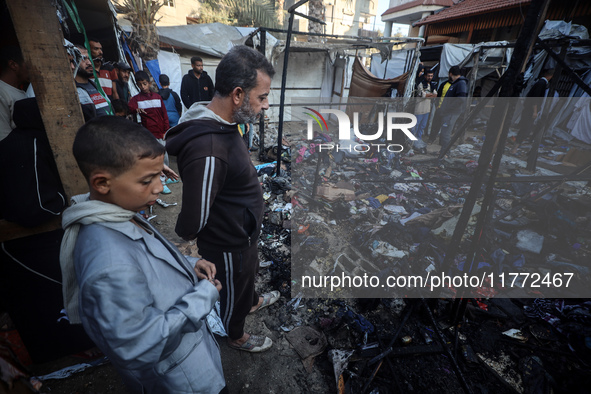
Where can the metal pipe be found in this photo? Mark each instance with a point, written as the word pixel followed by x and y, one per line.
pixel 283 82
pixel 262 49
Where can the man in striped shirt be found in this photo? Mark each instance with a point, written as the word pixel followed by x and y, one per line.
pixel 93 103
pixel 106 75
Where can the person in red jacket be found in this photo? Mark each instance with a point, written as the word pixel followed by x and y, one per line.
pixel 149 106
pixel 152 111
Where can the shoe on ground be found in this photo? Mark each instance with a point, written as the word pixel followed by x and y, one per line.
pixel 165 190
pixel 268 299
pixel 170 181
pixel 254 344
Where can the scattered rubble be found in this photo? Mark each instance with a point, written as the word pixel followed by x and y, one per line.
pixel 385 213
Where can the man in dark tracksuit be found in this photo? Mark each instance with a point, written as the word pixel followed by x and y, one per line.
pixel 222 198
pixel 196 85
pixel 531 108
pixel 453 104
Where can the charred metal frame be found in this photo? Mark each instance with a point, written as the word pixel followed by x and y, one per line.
pixel 363 41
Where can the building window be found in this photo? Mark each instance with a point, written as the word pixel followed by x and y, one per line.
pixel 169 3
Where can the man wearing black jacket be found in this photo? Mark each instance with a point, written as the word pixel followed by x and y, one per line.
pixel 122 84
pixel 196 85
pixel 531 108
pixel 222 197
pixel 453 104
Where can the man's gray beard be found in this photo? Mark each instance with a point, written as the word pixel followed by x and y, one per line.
pixel 245 114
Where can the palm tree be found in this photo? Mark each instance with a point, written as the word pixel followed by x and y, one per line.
pixel 257 13
pixel 142 15
pixel 315 10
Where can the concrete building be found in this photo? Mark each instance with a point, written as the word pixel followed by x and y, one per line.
pixel 407 12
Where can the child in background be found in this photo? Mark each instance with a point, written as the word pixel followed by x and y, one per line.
pixel 150 107
pixel 172 101
pixel 141 301
pixel 120 108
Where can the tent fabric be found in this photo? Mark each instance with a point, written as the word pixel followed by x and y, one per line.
pixel 365 84
pixel 328 78
pixel 454 54
pixel 170 64
pixel 581 125
pixel 154 68
pixel 392 67
pixel 214 39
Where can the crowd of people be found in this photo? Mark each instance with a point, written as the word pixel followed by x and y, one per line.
pixel 139 300
pixel 447 103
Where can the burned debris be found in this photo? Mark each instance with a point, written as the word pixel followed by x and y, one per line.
pixel 385 213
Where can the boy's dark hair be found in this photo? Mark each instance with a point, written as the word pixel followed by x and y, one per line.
pixel 238 68
pixel 455 70
pixel 114 144
pixel 119 106
pixel 142 76
pixel 9 53
pixel 196 59
pixel 164 80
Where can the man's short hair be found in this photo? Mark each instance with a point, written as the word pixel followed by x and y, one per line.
pixel 94 39
pixel 196 59
pixel 8 53
pixel 455 70
pixel 429 71
pixel 547 72
pixel 142 76
pixel 164 80
pixel 114 144
pixel 238 68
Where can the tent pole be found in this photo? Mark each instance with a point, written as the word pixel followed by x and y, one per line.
pixel 292 12
pixel 262 49
pixel 494 142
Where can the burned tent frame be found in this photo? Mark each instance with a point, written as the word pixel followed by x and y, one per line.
pixel 458 130
pixel 360 42
pixel 494 144
pixel 492 149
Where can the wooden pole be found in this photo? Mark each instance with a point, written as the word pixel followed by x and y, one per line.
pixel 41 40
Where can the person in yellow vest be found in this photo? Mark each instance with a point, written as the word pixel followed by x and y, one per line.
pixel 436 124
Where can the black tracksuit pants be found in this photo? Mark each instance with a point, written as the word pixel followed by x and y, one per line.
pixel 236 271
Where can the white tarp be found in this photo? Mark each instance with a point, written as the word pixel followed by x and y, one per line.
pixel 170 64
pixel 561 29
pixel 455 54
pixel 581 125
pixel 390 68
pixel 214 39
